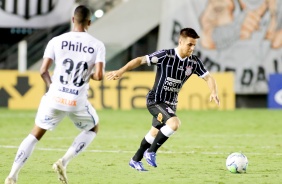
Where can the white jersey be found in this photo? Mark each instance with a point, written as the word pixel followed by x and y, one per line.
pixel 74 55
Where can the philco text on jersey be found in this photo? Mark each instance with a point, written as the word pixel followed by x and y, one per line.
pixel 77 47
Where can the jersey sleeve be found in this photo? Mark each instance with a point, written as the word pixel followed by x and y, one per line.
pixel 201 71
pixel 49 50
pixel 101 52
pixel 155 57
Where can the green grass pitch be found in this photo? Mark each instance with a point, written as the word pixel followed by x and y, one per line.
pixel 195 154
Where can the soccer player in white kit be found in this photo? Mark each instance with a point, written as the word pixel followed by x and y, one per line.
pixel 78 57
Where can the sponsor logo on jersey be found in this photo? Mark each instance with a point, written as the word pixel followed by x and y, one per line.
pixel 171 84
pixel 173 80
pixel 77 47
pixel 28 10
pixel 65 101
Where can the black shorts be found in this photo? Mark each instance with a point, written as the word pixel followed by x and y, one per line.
pixel 161 113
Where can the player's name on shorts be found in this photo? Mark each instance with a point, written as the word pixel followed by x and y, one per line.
pixel 77 47
pixel 69 90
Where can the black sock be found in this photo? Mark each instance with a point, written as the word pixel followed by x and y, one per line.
pixel 159 140
pixel 143 147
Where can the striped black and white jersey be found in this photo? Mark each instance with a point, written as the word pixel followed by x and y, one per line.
pixel 172 72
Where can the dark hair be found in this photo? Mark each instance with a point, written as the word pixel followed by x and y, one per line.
pixel 82 14
pixel 189 32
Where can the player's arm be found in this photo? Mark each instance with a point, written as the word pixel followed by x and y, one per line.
pixel 99 71
pixel 213 87
pixel 134 63
pixel 44 71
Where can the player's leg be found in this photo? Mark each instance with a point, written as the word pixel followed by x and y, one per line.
pixel 146 142
pixel 80 143
pixel 46 118
pixel 165 115
pixel 24 151
pixel 86 120
pixel 172 124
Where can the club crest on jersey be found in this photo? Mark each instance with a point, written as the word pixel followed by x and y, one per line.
pixel 188 70
pixel 28 10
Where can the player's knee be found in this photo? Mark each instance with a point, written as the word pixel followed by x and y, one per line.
pixel 154 131
pixel 174 123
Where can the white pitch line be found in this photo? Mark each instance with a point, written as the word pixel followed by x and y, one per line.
pixel 176 137
pixel 125 151
pixel 45 138
pixel 18 115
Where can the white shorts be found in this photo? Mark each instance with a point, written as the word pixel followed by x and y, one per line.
pixel 48 118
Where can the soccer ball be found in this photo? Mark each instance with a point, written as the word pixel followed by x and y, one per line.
pixel 237 163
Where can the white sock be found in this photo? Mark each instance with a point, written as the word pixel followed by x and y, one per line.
pixel 149 138
pixel 25 150
pixel 167 131
pixel 80 143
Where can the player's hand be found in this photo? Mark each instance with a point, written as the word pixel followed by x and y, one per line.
pixel 215 98
pixel 114 75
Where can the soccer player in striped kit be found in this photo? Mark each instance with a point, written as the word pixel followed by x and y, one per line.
pixel 174 67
